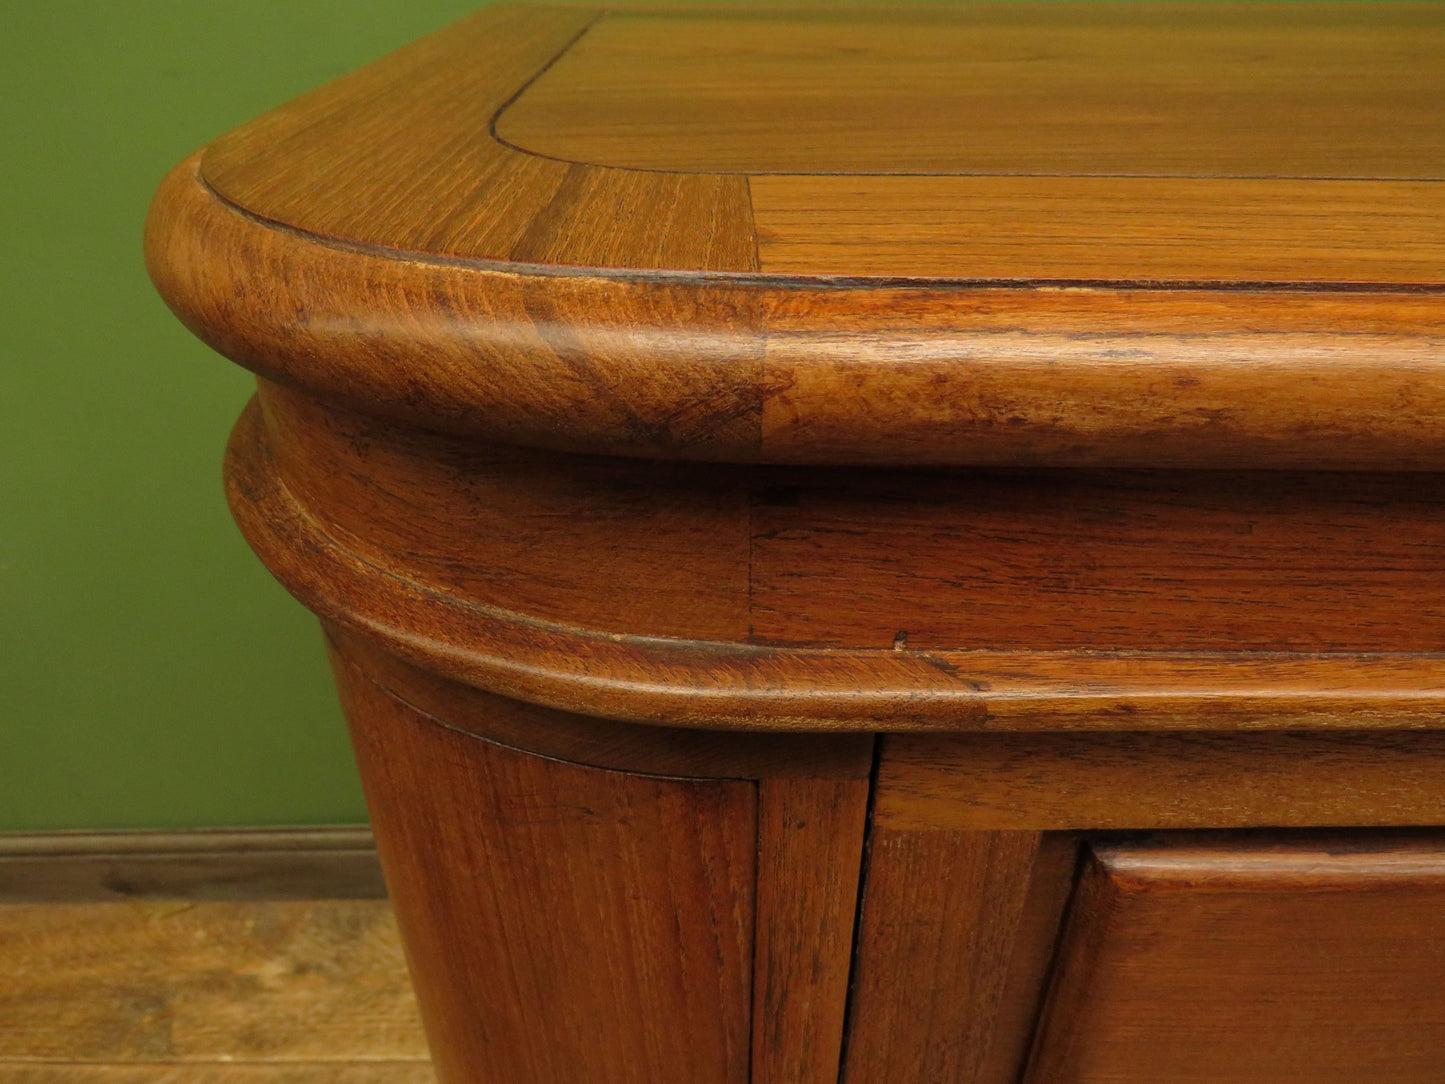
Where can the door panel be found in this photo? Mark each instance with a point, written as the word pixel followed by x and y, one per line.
pixel 1252 958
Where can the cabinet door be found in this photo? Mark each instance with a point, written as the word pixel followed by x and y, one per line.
pixel 1252 958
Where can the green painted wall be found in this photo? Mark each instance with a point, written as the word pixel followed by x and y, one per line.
pixel 151 673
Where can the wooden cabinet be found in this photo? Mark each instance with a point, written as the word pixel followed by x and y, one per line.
pixel 902 542
pixel 593 900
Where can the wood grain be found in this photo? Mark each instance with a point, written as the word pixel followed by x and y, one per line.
pixel 550 360
pixel 1252 960
pixel 1169 561
pixel 607 743
pixel 1027 975
pixel 1119 230
pixel 408 1072
pixel 655 548
pixel 409 163
pixel 880 374
pixel 895 319
pixel 812 798
pixel 162 982
pixel 530 101
pixel 1114 88
pixel 327 862
pixel 1164 561
pixel 563 923
pixel 1119 377
pixel 810 848
pixel 1002 782
pixel 941 913
pixel 685 683
pixel 544 354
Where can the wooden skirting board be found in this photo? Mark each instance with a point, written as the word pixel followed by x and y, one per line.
pixel 252 956
pixel 331 862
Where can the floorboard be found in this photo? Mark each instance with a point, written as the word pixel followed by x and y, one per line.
pixel 185 992
pixel 411 1072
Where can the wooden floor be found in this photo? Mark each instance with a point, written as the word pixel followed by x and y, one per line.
pixel 156 992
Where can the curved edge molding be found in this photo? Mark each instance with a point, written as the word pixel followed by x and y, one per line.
pixel 571 362
pixel 743 369
pixel 605 744
pixel 686 683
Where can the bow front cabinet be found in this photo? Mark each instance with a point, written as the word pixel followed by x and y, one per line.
pixel 902 544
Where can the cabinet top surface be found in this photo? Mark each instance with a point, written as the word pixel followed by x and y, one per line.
pixel 1125 143
pixel 1042 234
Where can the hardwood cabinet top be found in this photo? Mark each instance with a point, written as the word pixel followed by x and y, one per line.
pixel 1178 234
pixel 1003 142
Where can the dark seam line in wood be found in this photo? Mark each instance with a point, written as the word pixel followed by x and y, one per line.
pixel 966 690
pixel 668 276
pixel 762 333
pixel 753 223
pixel 573 40
pixel 552 757
pixel 755 995
pixel 856 943
pixel 1036 1015
pixel 730 649
pixel 529 152
pixel 726 649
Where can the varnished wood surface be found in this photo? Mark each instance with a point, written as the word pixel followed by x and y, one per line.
pixel 1251 318
pixel 333 1072
pixel 654 548
pixel 720 684
pixel 1084 229
pixel 810 850
pixel 1164 561
pixel 391 139
pixel 1153 561
pixel 599 352
pixel 607 743
pixel 327 862
pixel 1113 88
pixel 170 988
pixel 624 139
pixel 1009 782
pixel 747 371
pixel 1007 1044
pixel 650 367
pixel 1119 377
pixel 1259 960
pixel 809 801
pixel 940 915
pixel 562 922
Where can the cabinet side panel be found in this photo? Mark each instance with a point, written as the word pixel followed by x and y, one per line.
pixel 562 923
